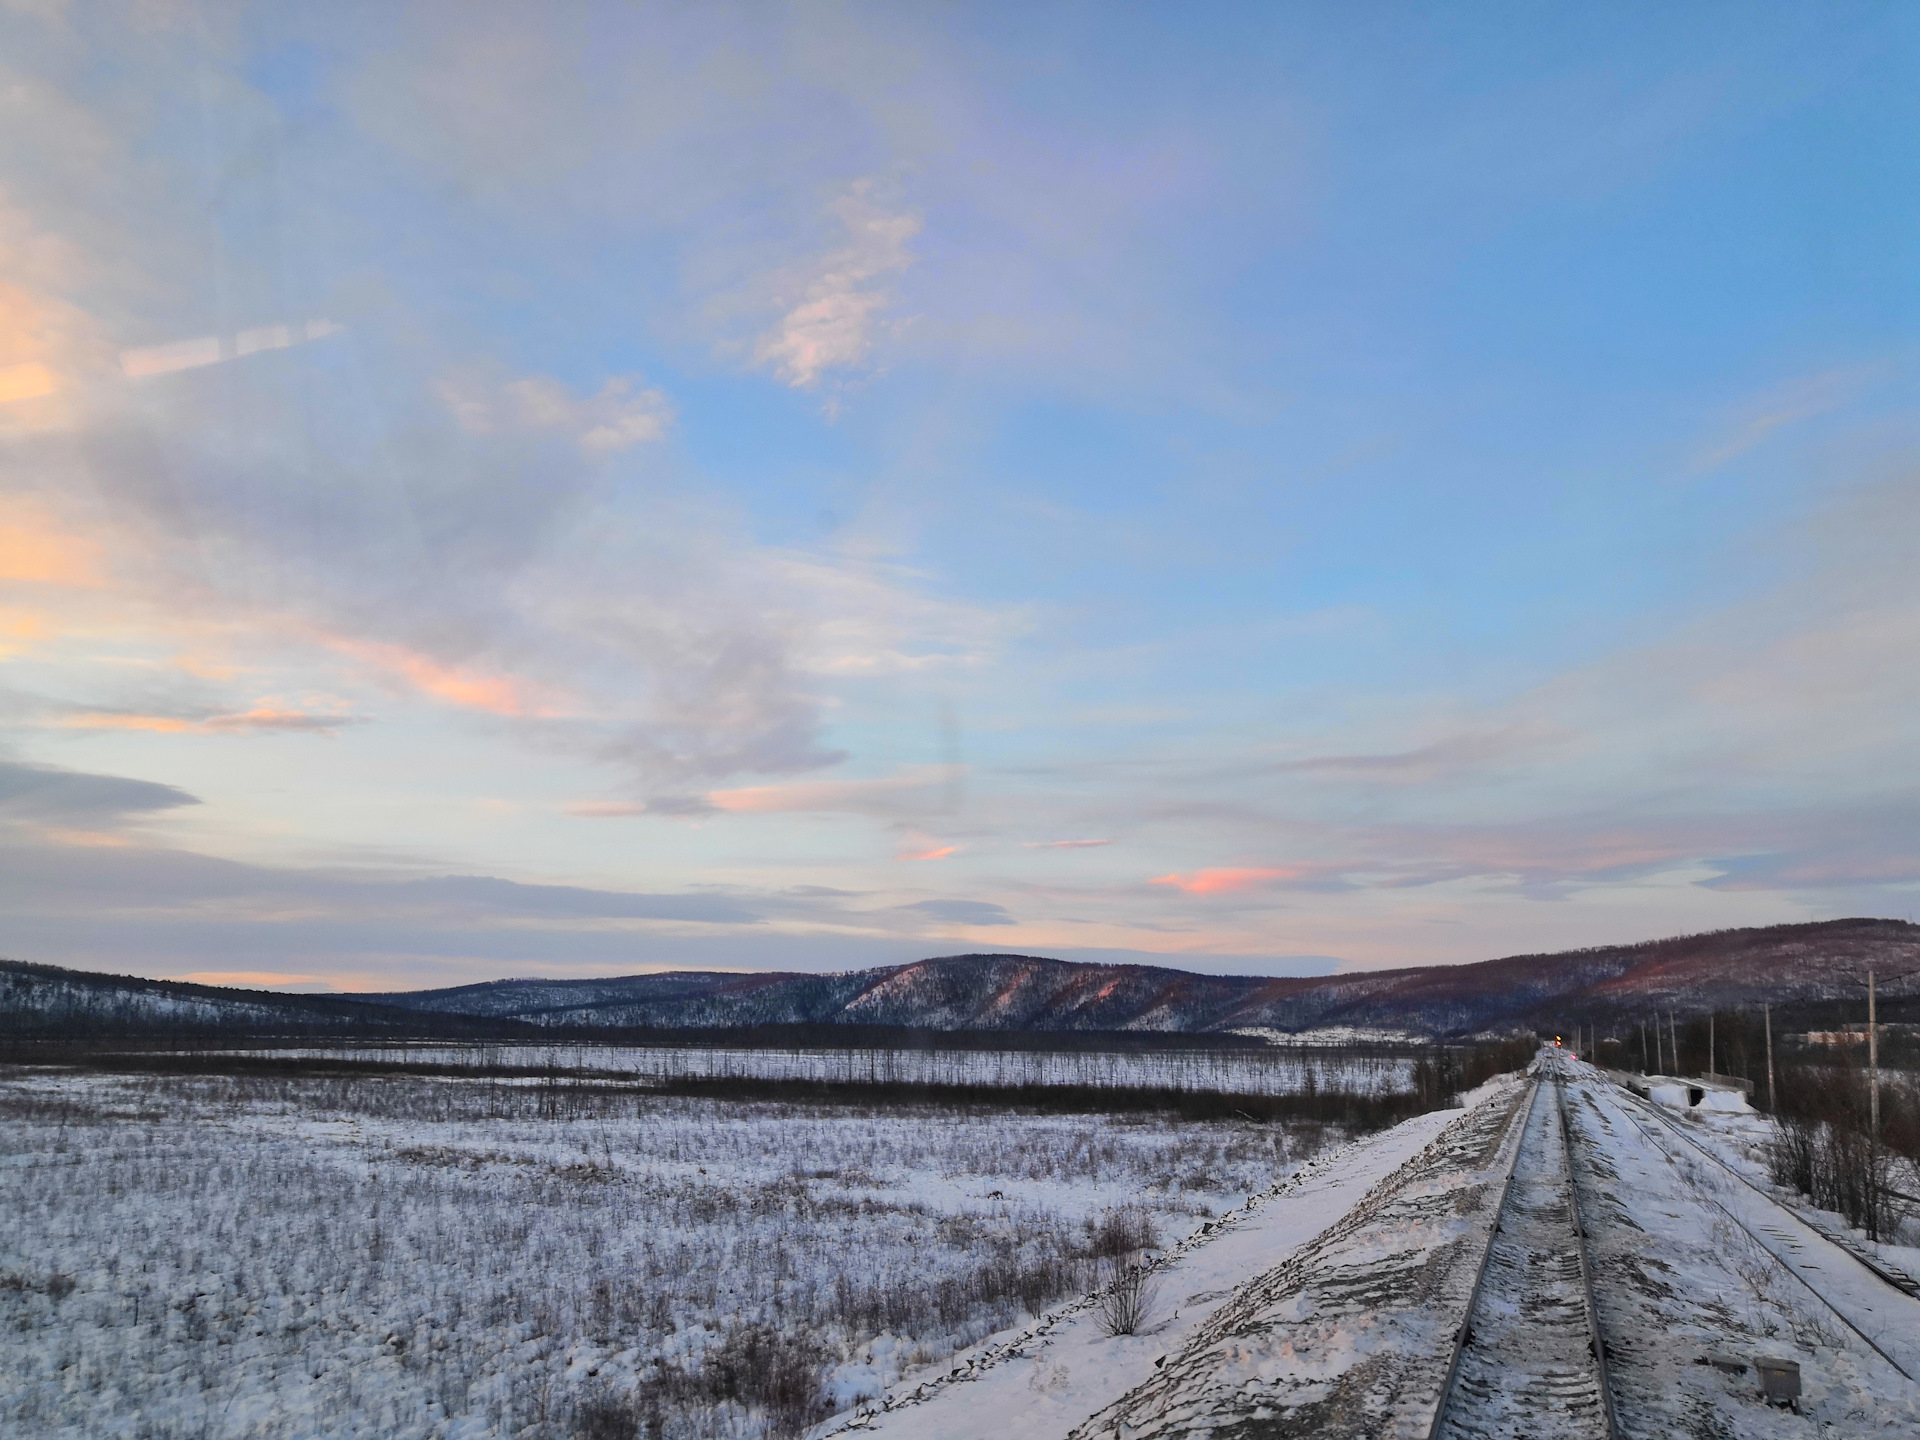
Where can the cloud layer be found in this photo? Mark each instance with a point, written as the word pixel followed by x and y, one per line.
pixel 618 485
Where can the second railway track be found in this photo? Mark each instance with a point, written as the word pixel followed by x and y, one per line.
pixel 1530 1360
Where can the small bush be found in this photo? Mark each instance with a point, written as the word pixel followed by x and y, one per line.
pixel 1128 1299
pixel 776 1371
pixel 1124 1232
pixel 605 1418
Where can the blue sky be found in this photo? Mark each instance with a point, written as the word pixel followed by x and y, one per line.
pixel 492 491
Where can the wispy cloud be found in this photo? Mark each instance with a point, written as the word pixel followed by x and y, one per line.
pixel 467 686
pixel 1066 844
pixel 1785 405
pixel 1451 757
pixel 28 380
pixel 963 912
pixel 48 794
pixel 915 787
pixel 20 629
pixel 148 361
pixel 832 307
pixel 937 852
pixel 606 809
pixel 268 719
pixel 621 414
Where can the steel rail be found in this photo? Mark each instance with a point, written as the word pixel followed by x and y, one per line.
pixel 1465 1332
pixel 1586 1268
pixel 1811 1288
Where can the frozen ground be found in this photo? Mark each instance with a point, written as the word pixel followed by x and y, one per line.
pixel 408 1257
pixel 1240 1072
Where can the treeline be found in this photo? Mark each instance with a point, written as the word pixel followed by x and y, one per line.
pixel 1352 1109
pixel 1734 1041
pixel 1328 1097
pixel 1440 1076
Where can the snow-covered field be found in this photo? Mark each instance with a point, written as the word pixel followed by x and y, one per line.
pixel 1239 1072
pixel 403 1256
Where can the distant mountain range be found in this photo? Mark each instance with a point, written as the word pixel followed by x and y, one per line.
pixel 1812 966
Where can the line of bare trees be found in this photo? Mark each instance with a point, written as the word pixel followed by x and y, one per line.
pixel 1824 1145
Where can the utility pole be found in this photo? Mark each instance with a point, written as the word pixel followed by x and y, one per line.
pixel 1766 1012
pixel 1873 1115
pixel 1673 1035
pixel 1644 1065
pixel 1873 1066
pixel 1713 1057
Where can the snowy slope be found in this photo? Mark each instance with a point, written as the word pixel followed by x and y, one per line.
pixel 1039 1383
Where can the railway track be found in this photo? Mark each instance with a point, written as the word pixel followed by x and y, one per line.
pixel 1867 1301
pixel 1529 1360
pixel 1891 1275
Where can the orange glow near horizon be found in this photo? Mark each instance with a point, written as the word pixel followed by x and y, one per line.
pixel 1225 881
pixel 25 382
pixel 247 979
pixel 33 552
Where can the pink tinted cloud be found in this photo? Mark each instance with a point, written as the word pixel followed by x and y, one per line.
pixel 1066 844
pixel 828 796
pixel 259 718
pixel 938 853
pixel 1229 880
pixel 494 692
pixel 606 809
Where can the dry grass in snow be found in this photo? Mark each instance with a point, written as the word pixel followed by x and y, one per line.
pixel 401 1257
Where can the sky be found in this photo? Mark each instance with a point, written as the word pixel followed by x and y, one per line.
pixel 1269 488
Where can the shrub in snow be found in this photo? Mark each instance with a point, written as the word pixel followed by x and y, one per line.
pixel 1127 1300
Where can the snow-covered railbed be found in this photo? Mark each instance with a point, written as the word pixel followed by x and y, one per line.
pixel 1040 1382
pixel 1738 1142
pixel 1689 1296
pixel 1348 1334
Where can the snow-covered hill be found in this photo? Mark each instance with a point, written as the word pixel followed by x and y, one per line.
pixel 1731 969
